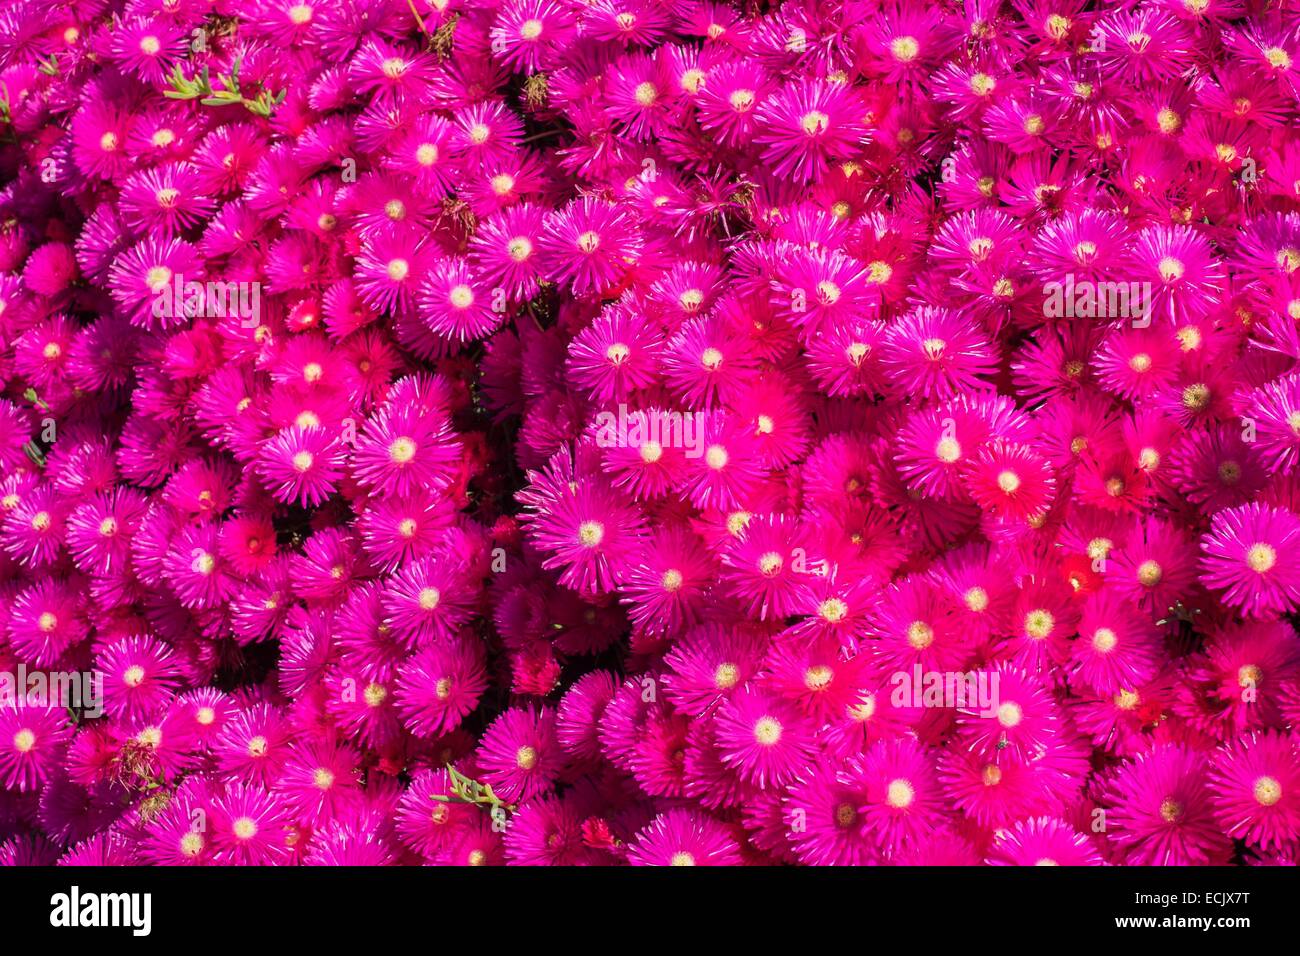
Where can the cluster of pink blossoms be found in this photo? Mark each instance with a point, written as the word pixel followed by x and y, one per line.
pixel 588 431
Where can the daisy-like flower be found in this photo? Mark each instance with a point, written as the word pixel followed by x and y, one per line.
pixel 45 622
pixel 526 32
pixel 1142 46
pixel 486 133
pixel 142 275
pixel 427 601
pixel 387 72
pixel 398 530
pixel 504 251
pixel 934 353
pixel 1042 841
pixel 615 355
pixel 726 471
pixel 1021 723
pixel 424 153
pixel 903 42
pixel 99 532
pixel 248 826
pixel 165 200
pixel 35 527
pixel 1117 647
pixel 454 305
pixel 665 586
pixel 589 245
pixel 1160 813
pixel 32 741
pixel 321 780
pixel 817 289
pixel 913 622
pixel 730 99
pixel 1010 481
pixel 586 527
pixel 1255 787
pixel 390 270
pixel 637 95
pixel 440 685
pixel 1251 553
pixel 547 832
pixel 1154 567
pixel 825 820
pixel 709 665
pixel 428 825
pixel 683 838
pixel 161 746
pixel 769 566
pixel 1245 671
pixel 148 47
pixel 100 136
pixel 1184 273
pixel 253 746
pixel 705 362
pixel 902 800
pixel 807 125
pixel 302 464
pixel 401 451
pixel 519 754
pixel 140 674
pixel 763 737
pixel 176 835
pixel 1275 408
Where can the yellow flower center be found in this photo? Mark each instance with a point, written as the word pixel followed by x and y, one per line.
pixel 1104 640
pixel 899 794
pixel 814 122
pixel 767 731
pixel 1039 623
pixel 646 94
pixel 904 49
pixel 920 635
pixel 1010 714
pixel 591 533
pixel 1267 791
pixel 726 676
pixel 1261 557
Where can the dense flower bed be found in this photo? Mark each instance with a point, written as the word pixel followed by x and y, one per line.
pixel 620 431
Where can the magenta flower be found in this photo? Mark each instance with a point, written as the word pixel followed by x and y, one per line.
pixel 541 432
